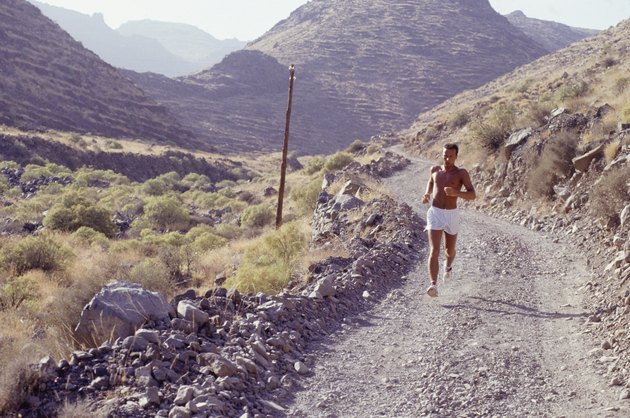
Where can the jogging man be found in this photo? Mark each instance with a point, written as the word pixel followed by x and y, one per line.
pixel 445 186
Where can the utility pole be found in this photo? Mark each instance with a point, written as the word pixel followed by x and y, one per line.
pixel 283 167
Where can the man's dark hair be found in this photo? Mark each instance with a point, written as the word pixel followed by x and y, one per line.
pixel 451 145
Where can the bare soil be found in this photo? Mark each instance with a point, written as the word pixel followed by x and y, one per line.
pixel 507 337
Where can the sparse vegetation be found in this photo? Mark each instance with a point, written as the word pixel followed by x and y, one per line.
pixel 609 195
pixel 491 132
pixel 553 164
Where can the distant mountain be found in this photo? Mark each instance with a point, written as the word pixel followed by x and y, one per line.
pixel 551 35
pixel 165 48
pixel 187 42
pixel 363 67
pixel 50 81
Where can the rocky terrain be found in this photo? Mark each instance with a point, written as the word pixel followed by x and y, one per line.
pixel 50 81
pixel 551 35
pixel 363 67
pixel 224 353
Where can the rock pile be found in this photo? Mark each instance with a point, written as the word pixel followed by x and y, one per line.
pixel 14 178
pixel 233 355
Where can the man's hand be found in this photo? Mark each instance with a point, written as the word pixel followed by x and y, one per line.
pixel 451 191
pixel 425 198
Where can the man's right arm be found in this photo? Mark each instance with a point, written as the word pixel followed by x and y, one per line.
pixel 429 189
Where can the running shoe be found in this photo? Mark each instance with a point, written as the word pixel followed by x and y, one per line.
pixel 432 291
pixel 448 273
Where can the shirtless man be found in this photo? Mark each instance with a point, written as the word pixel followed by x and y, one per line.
pixel 445 186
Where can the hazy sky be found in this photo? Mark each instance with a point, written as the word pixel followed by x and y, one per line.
pixel 248 19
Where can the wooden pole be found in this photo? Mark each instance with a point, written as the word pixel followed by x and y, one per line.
pixel 283 167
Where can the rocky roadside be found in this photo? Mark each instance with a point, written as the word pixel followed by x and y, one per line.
pixel 605 244
pixel 232 355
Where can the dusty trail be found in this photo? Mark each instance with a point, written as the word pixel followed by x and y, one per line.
pixel 506 338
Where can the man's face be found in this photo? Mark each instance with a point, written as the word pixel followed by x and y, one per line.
pixel 449 156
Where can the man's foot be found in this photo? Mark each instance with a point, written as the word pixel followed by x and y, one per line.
pixel 448 270
pixel 432 291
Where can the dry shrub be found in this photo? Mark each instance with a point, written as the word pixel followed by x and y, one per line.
pixel 491 132
pixel 610 193
pixel 17 381
pixel 270 262
pixel 611 150
pixel 538 112
pixel 79 409
pixel 553 164
pixel 17 378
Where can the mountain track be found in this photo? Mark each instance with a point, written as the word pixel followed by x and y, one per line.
pixel 507 336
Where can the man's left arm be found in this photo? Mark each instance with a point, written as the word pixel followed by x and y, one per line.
pixel 469 194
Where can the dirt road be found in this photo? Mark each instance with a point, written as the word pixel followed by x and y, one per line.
pixel 507 337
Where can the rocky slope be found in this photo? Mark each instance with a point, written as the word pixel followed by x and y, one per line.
pixel 363 67
pixel 551 35
pixel 48 80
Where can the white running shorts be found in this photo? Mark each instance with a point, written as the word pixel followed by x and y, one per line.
pixel 447 220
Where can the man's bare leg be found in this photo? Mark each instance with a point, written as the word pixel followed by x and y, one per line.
pixel 434 247
pixel 449 248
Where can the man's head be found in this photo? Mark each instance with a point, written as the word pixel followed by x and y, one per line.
pixel 449 154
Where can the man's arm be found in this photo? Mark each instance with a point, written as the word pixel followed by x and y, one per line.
pixel 429 189
pixel 469 194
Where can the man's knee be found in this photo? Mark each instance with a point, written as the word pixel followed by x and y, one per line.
pixel 434 252
pixel 450 253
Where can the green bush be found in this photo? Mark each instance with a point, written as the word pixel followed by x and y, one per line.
pixel 87 177
pixel 305 197
pixel 229 231
pixel 34 171
pixel 40 252
pixel 338 161
pixel 17 291
pixel 153 275
pixel 91 236
pixel 204 238
pixel 166 213
pixel 552 165
pixel 257 216
pixel 492 131
pixel 314 165
pixel 196 181
pixel 269 263
pixel 75 211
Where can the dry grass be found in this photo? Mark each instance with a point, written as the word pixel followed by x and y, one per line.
pixel 611 150
pixel 80 409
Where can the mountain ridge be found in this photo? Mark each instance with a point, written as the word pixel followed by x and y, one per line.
pixel 363 68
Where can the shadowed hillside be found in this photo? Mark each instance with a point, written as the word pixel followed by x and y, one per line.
pixel 551 35
pixel 48 80
pixel 363 67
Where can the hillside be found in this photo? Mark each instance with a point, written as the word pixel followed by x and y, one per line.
pixel 49 81
pixel 362 68
pixel 551 35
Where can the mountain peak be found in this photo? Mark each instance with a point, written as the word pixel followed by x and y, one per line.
pixel 517 13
